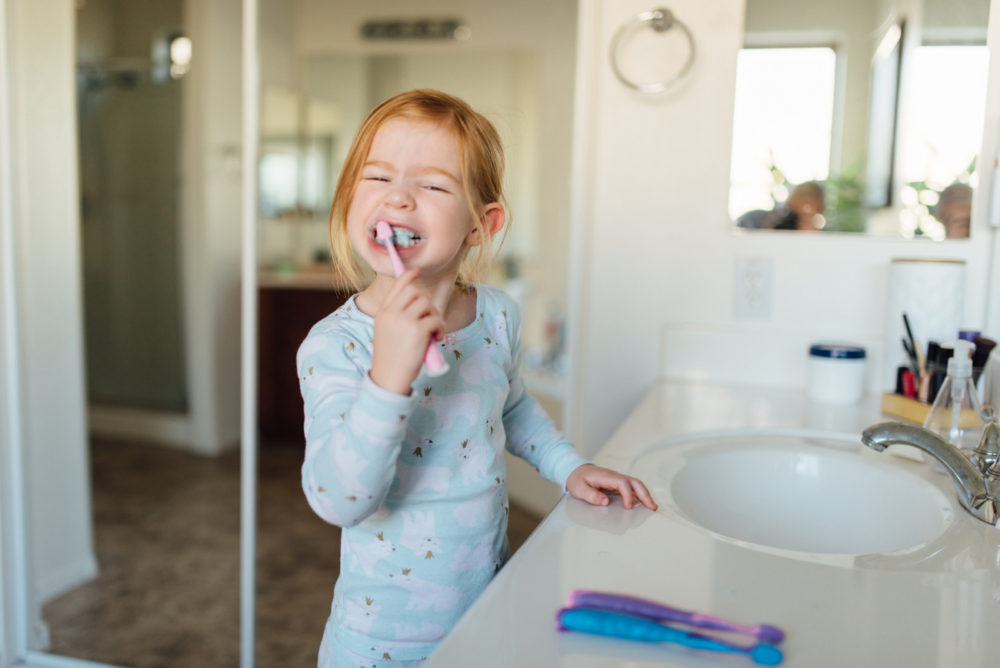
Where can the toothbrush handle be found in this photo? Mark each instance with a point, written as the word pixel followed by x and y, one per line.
pixel 627 627
pixel 618 625
pixel 397 263
pixel 633 605
pixel 630 605
pixel 433 359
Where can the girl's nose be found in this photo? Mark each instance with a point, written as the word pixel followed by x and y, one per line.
pixel 400 197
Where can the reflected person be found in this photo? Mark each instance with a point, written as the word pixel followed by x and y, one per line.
pixel 954 210
pixel 803 210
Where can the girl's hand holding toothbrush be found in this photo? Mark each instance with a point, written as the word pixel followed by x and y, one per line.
pixel 404 322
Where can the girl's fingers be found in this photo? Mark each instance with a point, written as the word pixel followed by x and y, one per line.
pixel 596 497
pixel 423 311
pixel 417 305
pixel 644 496
pixel 629 488
pixel 625 489
pixel 404 281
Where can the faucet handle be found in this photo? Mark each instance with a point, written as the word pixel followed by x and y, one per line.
pixel 988 413
pixel 987 453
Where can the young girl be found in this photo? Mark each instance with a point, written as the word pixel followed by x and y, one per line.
pixel 410 465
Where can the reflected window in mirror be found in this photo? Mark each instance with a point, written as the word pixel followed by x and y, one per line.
pixel 941 137
pixel 894 128
pixel 781 137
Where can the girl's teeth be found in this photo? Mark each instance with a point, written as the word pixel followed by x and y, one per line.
pixel 404 238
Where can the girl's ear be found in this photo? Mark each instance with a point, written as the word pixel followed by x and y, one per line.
pixel 493 218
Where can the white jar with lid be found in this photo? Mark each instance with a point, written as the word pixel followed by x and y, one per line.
pixel 836 373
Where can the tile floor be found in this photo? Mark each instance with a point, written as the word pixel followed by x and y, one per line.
pixel 167 541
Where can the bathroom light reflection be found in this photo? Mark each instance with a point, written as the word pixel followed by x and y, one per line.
pixel 807 465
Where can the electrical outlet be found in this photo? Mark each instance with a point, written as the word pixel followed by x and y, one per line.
pixel 752 288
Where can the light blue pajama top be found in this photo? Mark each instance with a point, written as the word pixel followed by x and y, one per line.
pixel 418 482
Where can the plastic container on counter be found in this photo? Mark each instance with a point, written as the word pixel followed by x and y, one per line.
pixel 836 373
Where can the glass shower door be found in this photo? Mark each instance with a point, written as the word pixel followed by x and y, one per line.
pixel 129 154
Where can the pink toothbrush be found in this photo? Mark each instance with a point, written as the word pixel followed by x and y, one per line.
pixel 433 360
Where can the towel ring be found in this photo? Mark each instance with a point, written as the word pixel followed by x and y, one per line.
pixel 660 20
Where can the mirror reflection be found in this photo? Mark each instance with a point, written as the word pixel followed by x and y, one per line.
pixel 859 117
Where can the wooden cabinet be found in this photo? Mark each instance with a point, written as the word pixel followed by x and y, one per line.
pixel 285 315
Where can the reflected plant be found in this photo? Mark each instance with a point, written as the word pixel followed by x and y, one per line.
pixel 844 209
pixel 779 183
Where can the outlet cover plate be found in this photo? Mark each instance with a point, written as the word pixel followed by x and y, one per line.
pixel 752 287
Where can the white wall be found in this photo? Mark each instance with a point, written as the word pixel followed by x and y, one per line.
pixel 47 229
pixel 986 203
pixel 210 227
pixel 657 250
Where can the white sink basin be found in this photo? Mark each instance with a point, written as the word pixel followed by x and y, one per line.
pixel 819 494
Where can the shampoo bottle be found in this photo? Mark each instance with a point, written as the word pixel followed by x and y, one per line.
pixel 955 413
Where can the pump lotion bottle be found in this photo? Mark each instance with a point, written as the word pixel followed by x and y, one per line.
pixel 954 415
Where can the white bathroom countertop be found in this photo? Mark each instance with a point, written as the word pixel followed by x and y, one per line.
pixel 938 605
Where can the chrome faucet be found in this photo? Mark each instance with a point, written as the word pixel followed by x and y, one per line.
pixel 976 478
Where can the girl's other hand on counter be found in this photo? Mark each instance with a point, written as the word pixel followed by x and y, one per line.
pixel 586 483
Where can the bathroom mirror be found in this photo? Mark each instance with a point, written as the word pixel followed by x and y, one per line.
pixel 859 117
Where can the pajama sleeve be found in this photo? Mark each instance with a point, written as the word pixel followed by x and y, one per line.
pixel 353 428
pixel 531 434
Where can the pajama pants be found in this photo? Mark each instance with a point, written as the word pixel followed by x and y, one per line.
pixel 334 655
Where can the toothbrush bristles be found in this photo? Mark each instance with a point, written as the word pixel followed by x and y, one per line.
pixel 401 237
pixel 770 634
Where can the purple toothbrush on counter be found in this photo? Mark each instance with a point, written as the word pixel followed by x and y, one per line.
pixel 633 605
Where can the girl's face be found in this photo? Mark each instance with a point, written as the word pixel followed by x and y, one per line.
pixel 412 179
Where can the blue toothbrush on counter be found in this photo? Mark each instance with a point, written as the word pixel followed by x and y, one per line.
pixel 634 618
pixel 628 627
pixel 657 612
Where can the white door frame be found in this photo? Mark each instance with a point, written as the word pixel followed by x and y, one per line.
pixel 248 330
pixel 13 559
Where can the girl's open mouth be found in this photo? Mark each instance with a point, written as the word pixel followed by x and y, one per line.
pixel 402 237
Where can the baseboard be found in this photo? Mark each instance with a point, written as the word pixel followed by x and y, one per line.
pixel 171 429
pixel 69 576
